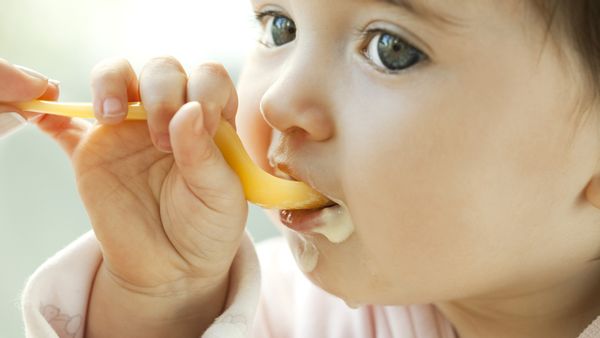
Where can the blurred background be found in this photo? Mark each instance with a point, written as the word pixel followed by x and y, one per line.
pixel 40 211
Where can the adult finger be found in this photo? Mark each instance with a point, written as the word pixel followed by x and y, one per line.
pixel 12 118
pixel 18 84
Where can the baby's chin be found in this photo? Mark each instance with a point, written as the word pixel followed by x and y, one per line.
pixel 349 271
pixel 314 256
pixel 340 269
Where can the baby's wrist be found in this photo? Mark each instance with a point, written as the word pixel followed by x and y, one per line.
pixel 178 313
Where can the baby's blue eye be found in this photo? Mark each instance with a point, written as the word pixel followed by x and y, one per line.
pixel 278 29
pixel 391 52
pixel 283 30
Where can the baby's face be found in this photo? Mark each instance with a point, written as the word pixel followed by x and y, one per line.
pixel 446 132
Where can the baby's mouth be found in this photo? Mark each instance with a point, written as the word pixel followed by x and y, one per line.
pixel 304 220
pixel 330 220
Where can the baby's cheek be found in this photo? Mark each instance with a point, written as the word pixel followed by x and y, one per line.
pixel 254 132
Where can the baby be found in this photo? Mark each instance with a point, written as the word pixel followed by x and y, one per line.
pixel 457 140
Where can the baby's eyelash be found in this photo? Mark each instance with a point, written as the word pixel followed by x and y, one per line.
pixel 361 34
pixel 261 15
pixel 367 34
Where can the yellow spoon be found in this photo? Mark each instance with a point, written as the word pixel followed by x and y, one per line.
pixel 260 187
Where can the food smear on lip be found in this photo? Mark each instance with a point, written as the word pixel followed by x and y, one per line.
pixel 332 222
pixel 337 225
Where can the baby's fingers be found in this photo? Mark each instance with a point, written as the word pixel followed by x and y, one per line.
pixel 114 83
pixel 211 85
pixel 162 88
pixel 207 174
pixel 68 132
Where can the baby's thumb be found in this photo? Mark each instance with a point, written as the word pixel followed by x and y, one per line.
pixel 201 163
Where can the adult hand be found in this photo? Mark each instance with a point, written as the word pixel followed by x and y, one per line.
pixel 19 84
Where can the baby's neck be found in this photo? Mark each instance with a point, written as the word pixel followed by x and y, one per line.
pixel 561 310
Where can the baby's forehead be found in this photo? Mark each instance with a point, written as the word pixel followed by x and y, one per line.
pixel 435 11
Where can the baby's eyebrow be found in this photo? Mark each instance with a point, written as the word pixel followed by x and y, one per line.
pixel 419 9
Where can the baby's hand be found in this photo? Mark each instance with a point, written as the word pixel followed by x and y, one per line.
pixel 169 222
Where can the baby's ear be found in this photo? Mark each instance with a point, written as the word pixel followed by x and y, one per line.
pixel 592 191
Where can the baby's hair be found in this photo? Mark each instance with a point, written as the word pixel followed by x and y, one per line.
pixel 579 22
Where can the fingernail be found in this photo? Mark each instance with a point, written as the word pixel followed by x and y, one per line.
pixel 54 82
pixel 10 122
pixel 112 109
pixel 32 72
pixel 163 142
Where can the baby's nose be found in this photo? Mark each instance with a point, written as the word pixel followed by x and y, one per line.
pixel 298 100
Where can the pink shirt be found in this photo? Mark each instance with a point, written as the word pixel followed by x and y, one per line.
pixel 285 304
